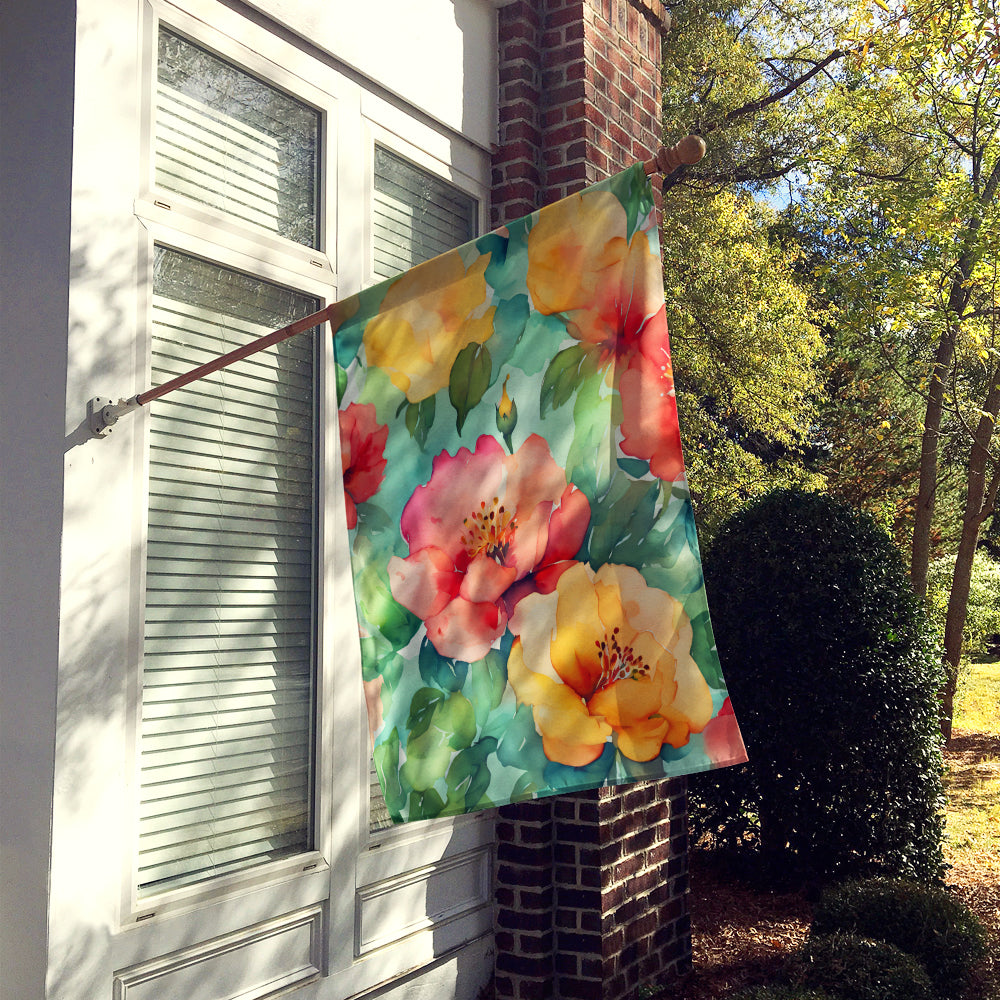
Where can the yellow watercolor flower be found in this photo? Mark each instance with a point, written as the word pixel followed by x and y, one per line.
pixel 427 317
pixel 605 655
pixel 571 260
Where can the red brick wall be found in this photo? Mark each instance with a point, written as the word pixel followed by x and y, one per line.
pixel 591 893
pixel 579 96
pixel 591 889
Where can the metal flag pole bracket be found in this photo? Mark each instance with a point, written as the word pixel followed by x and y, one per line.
pixel 103 413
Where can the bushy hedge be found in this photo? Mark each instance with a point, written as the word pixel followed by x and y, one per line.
pixel 924 921
pixel 833 673
pixel 856 968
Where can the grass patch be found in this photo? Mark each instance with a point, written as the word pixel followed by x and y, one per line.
pixel 973 782
pixel 978 698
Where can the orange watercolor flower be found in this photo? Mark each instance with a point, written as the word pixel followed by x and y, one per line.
pixel 606 656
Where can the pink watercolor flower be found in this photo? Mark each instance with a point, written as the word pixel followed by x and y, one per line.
pixel 485 531
pixel 362 451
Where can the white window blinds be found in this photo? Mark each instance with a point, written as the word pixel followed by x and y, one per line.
pixel 416 216
pixel 228 659
pixel 230 141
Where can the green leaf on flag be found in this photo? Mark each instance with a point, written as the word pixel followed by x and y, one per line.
pixel 425 804
pixel 469 775
pixel 487 681
pixel 622 522
pixel 420 419
pixel 565 373
pixel 422 708
pixel 387 764
pixel 470 378
pixel 439 725
pixel 703 650
pixel 447 674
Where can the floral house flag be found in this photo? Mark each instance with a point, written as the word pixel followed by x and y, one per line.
pixel 528 584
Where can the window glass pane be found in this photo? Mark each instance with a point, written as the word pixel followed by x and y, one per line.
pixel 228 656
pixel 228 140
pixel 416 215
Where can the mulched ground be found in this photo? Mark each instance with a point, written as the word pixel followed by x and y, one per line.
pixel 742 934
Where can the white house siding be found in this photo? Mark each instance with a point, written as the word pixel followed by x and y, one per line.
pixel 409 915
pixel 36 118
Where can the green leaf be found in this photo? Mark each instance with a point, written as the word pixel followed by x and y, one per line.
pixel 470 378
pixel 425 804
pixel 563 776
pixel 397 625
pixel 521 746
pixel 622 522
pixel 439 725
pixel 387 764
pixel 487 681
pixel 458 719
pixel 537 345
pixel 590 461
pixel 422 708
pixel 447 674
pixel 510 320
pixel 703 650
pixel 638 199
pixel 420 419
pixel 637 468
pixel 564 374
pixel 372 516
pixel 469 775
pixel 524 788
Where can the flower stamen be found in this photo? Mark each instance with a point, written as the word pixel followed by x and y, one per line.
pixel 617 662
pixel 490 531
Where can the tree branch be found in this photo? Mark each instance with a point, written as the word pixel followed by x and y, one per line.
pixel 754 106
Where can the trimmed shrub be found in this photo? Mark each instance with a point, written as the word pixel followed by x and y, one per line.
pixel 856 968
pixel 925 922
pixel 834 673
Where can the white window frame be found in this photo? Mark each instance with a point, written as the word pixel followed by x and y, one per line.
pixel 352 875
pixel 180 224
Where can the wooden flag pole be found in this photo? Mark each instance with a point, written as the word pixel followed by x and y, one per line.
pixel 260 344
pixel 103 413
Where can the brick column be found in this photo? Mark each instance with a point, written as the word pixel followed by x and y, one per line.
pixel 591 889
pixel 579 96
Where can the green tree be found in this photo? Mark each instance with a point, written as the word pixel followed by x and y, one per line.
pixel 748 358
pixel 748 76
pixel 834 674
pixel 912 189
